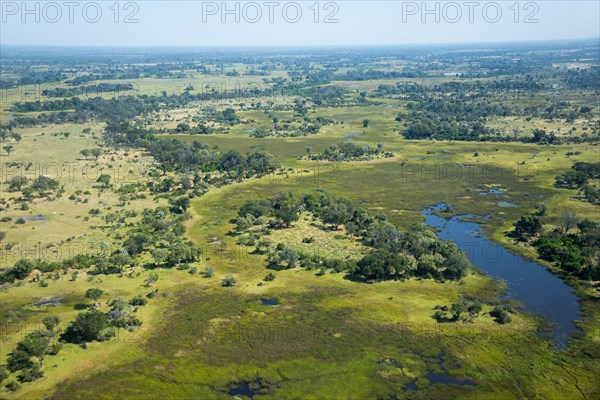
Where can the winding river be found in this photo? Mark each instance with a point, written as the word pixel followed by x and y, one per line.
pixel 530 283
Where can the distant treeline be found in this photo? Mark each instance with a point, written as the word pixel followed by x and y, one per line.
pixel 89 90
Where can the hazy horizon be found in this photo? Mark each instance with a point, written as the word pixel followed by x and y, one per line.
pixel 438 45
pixel 295 24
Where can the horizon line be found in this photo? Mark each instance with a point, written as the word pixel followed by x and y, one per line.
pixel 214 46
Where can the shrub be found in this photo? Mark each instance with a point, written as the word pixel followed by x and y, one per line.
pixel 208 272
pixel 228 281
pixel 138 301
pixel 500 315
pixel 269 277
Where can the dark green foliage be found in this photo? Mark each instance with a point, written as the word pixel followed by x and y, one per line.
pixel 51 322
pixel 3 373
pixel 269 277
pixel 180 204
pixel 17 360
pixel 500 315
pixel 86 327
pixel 16 183
pixel 285 209
pixel 576 253
pixel 347 151
pixel 138 301
pixel 36 344
pixel 20 270
pixel 104 179
pixel 137 243
pixel 527 226
pixel 578 177
pixel 30 374
pixel 93 293
pixel 397 255
pixel 256 208
pixel 43 184
pixel 13 386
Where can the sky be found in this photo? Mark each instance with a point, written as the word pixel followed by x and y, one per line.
pixel 288 23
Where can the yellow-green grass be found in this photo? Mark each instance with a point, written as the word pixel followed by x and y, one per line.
pixel 324 240
pixel 376 307
pixel 360 321
pixel 74 361
pixel 62 219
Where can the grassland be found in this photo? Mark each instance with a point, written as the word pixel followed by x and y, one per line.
pixel 327 337
pixel 343 336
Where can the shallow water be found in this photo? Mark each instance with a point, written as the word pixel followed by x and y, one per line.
pixel 269 302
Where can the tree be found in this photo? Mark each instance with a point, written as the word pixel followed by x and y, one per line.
pixel 289 255
pixel 17 360
pixel 244 223
pixel 365 123
pixel 121 259
pixel 256 208
pixel 337 214
pixel 43 184
pixel 572 179
pixel 475 308
pixel 285 209
pixel 539 136
pixel 528 225
pixel 8 148
pixel 180 205
pixel 85 153
pixel 16 183
pixel 95 153
pixel 35 345
pixel 3 374
pixel 182 127
pixel 569 219
pixel 31 374
pixel 137 243
pixel 151 279
pixel 51 322
pixel 232 161
pixel 160 256
pixel 261 163
pixel 2 235
pixel 263 245
pixel 21 269
pixel 93 294
pixel 457 264
pixel 541 209
pixel 86 327
pixel 104 179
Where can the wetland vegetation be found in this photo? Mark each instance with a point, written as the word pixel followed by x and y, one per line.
pixel 322 223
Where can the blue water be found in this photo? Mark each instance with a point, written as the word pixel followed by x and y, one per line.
pixel 269 302
pixel 530 283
